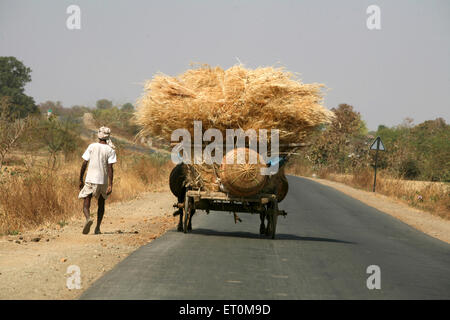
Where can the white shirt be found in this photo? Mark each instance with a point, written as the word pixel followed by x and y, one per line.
pixel 99 156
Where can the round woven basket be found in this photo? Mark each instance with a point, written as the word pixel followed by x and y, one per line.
pixel 242 179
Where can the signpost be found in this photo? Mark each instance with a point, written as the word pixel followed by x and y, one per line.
pixel 376 145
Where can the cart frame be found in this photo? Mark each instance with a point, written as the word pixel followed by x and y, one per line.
pixel 265 204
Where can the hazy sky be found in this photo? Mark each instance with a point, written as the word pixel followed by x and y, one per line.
pixel 402 70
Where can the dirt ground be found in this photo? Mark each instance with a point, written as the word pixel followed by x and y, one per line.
pixel 34 264
pixel 426 222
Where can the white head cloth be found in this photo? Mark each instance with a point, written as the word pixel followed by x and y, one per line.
pixel 104 133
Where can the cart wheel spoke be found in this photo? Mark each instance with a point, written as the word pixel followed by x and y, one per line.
pixel 187 213
pixel 274 223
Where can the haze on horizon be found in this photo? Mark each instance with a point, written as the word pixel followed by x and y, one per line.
pixel 402 70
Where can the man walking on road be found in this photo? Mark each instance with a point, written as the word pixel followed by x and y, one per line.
pixel 99 178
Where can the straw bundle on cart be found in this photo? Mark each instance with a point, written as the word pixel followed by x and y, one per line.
pixel 263 98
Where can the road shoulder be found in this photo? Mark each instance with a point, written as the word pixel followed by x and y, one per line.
pixel 429 224
pixel 35 264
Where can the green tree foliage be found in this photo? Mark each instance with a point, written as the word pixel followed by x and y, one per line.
pixel 78 111
pixel 342 145
pixel 127 107
pixel 59 137
pixel 409 168
pixel 104 104
pixel 418 152
pixel 14 75
pixel 396 158
pixel 117 119
pixel 430 141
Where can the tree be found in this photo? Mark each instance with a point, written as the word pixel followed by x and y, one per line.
pixel 430 142
pixel 398 152
pixel 14 75
pixel 12 129
pixel 104 104
pixel 59 137
pixel 78 111
pixel 56 107
pixel 409 169
pixel 118 120
pixel 127 107
pixel 342 145
pixel 418 152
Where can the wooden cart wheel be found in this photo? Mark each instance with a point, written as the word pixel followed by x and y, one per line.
pixel 269 223
pixel 187 213
pixel 273 222
pixel 273 218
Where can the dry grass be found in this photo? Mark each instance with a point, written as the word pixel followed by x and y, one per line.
pixel 140 174
pixel 433 197
pixel 34 197
pixel 299 167
pixel 263 98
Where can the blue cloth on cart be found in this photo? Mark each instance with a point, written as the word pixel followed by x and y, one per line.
pixel 276 160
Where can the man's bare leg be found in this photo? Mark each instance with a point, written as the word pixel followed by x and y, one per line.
pixel 87 215
pixel 100 212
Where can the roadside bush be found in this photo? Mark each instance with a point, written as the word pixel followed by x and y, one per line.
pixel 409 169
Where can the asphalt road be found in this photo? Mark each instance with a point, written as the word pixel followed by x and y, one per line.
pixel 322 251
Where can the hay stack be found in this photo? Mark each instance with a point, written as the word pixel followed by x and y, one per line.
pixel 263 98
pixel 237 98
